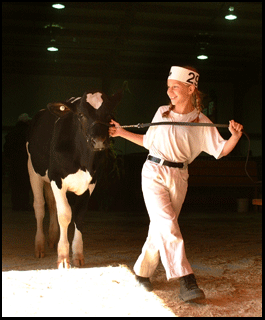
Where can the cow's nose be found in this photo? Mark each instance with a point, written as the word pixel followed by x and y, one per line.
pixel 98 143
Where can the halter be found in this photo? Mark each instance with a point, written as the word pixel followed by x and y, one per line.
pixel 86 132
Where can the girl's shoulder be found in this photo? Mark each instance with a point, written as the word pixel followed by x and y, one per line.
pixel 163 108
pixel 203 118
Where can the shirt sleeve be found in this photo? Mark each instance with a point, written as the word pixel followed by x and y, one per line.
pixel 151 132
pixel 213 142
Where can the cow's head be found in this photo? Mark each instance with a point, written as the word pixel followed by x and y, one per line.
pixel 92 113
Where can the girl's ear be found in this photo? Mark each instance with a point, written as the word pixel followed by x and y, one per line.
pixel 192 88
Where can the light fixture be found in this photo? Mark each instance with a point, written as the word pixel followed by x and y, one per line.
pixel 202 42
pixel 58 6
pixel 202 57
pixel 201 52
pixel 53 25
pixel 53 30
pixel 230 16
pixel 53 49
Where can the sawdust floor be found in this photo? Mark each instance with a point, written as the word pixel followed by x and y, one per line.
pixel 224 249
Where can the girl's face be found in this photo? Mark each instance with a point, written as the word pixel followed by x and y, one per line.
pixel 178 92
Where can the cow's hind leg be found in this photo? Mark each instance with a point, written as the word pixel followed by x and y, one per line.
pixel 36 182
pixel 53 226
pixel 77 247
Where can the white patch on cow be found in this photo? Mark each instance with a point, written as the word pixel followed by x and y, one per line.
pixel 91 187
pixel 94 99
pixel 46 178
pixel 77 182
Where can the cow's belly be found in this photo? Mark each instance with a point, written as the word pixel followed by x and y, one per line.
pixel 77 182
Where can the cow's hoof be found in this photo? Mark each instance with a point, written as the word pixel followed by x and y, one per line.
pixel 39 246
pixel 63 264
pixel 78 260
pixel 39 250
pixel 39 253
pixel 53 239
pixel 52 244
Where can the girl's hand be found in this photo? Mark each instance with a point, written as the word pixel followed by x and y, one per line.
pixel 235 128
pixel 120 132
pixel 114 131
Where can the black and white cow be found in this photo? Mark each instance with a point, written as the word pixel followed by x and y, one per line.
pixel 64 155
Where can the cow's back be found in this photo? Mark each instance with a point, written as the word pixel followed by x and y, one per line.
pixel 39 138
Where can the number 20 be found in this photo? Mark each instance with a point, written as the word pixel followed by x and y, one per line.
pixel 193 79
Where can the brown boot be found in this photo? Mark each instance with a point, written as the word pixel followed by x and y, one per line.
pixel 189 289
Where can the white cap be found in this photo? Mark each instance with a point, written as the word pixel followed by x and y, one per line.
pixel 184 75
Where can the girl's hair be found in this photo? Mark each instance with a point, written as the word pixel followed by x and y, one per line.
pixel 196 98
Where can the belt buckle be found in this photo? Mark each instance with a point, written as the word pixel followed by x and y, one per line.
pixel 161 162
pixel 185 165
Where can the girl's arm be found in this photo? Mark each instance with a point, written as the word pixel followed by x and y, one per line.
pixel 236 131
pixel 120 132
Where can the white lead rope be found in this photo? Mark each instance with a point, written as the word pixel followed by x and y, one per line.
pixel 195 124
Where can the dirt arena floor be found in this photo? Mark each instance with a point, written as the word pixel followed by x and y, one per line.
pixel 223 247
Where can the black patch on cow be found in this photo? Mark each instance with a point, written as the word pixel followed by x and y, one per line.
pixel 79 206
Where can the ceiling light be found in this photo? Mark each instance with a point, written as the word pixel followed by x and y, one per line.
pixel 53 25
pixel 58 6
pixel 52 49
pixel 202 57
pixel 52 46
pixel 230 16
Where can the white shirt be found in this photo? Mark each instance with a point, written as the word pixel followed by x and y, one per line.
pixel 182 143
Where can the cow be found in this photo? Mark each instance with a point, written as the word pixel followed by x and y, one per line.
pixel 65 149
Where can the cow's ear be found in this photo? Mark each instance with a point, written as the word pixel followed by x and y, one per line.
pixel 58 108
pixel 116 98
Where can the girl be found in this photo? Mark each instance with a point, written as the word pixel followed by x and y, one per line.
pixel 165 176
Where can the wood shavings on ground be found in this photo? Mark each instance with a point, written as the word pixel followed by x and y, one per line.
pixel 105 292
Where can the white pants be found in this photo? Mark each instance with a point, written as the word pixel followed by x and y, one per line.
pixel 164 190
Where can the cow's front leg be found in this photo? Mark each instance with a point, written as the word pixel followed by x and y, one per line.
pixel 64 218
pixel 79 206
pixel 77 247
